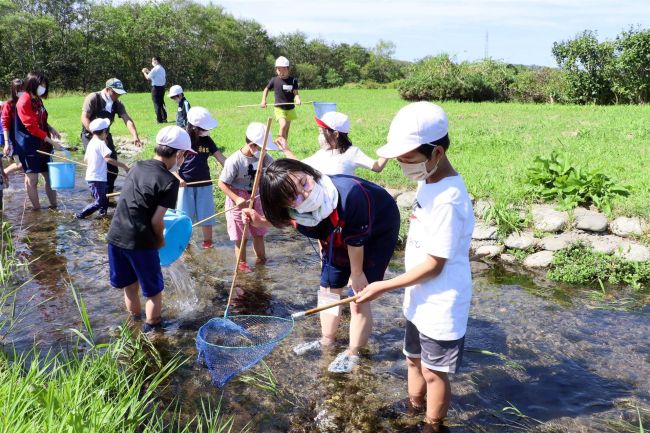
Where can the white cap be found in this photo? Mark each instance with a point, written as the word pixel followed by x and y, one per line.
pixel 176 137
pixel 282 62
pixel 99 124
pixel 334 120
pixel 201 117
pixel 175 90
pixel 255 134
pixel 417 123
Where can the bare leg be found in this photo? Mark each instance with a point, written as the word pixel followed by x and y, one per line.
pixel 14 167
pixel 438 394
pixel 260 251
pixel 329 323
pixel 31 185
pixel 284 127
pixel 132 298
pixel 51 194
pixel 417 386
pixel 153 308
pixel 243 253
pixel 360 326
pixel 207 233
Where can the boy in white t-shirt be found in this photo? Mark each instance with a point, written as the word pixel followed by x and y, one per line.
pixel 438 279
pixel 96 157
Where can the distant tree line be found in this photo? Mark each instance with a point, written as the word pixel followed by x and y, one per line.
pixel 590 72
pixel 81 43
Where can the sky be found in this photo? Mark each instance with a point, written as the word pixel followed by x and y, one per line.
pixel 518 31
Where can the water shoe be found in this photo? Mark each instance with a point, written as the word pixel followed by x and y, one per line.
pixel 343 363
pixel 307 346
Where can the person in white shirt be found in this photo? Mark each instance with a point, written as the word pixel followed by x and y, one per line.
pixel 96 157
pixel 337 154
pixel 158 78
pixel 438 279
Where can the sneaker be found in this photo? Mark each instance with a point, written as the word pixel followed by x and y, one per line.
pixel 243 267
pixel 149 327
pixel 206 245
pixel 307 346
pixel 344 363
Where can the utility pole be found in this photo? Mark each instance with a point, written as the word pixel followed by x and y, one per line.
pixel 486 45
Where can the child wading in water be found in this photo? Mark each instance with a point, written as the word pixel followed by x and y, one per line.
pixel 438 279
pixel 236 181
pixel 97 155
pixel 197 200
pixel 176 94
pixel 137 228
pixel 285 88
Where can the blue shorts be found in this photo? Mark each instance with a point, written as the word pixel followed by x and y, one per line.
pixel 129 266
pixel 197 202
pixel 337 277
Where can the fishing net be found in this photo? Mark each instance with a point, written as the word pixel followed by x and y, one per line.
pixel 233 345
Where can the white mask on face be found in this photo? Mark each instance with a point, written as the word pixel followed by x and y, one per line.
pixel 313 200
pixel 19 94
pixel 257 154
pixel 177 164
pixel 418 171
pixel 322 142
pixel 41 91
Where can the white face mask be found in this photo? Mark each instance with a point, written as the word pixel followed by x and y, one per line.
pixel 322 142
pixel 19 94
pixel 313 201
pixel 417 171
pixel 177 164
pixel 41 91
pixel 257 154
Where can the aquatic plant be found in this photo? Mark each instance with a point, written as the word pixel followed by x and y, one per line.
pixel 9 262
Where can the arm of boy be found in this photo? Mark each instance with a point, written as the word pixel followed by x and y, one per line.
pixel 264 95
pixel 112 161
pixel 358 280
pixel 158 225
pixel 430 268
pixel 284 146
pixel 221 158
pixel 183 184
pixel 379 165
pixel 239 201
pixel 250 216
pixel 297 100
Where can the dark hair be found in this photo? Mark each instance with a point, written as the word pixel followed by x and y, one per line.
pixel 35 79
pixel 343 142
pixel 17 85
pixel 101 131
pixel 165 151
pixel 156 58
pixel 427 149
pixel 193 132
pixel 277 189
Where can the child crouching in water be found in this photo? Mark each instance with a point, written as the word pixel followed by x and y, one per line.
pixel 236 181
pixel 97 155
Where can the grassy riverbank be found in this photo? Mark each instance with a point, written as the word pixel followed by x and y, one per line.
pixel 492 143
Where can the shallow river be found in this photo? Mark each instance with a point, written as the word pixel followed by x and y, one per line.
pixel 551 355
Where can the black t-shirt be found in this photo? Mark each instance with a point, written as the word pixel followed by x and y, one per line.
pixel 195 167
pixel 148 185
pixel 284 89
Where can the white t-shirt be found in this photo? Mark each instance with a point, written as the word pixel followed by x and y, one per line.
pixel 441 225
pixel 157 76
pixel 331 162
pixel 239 170
pixel 94 157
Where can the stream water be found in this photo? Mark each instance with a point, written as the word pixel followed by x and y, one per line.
pixel 551 355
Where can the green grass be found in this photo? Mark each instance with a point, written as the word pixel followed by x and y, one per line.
pixel 492 143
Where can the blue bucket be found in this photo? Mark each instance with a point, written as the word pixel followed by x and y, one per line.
pixel 62 175
pixel 178 231
pixel 324 107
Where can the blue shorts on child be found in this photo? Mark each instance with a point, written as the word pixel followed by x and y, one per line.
pixel 197 202
pixel 128 266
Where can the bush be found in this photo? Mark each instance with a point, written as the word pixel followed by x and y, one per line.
pixel 539 85
pixel 556 178
pixel 579 264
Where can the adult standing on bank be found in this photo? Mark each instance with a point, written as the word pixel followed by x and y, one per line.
pixel 158 78
pixel 105 104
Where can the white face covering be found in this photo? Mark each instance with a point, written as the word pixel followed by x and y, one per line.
pixel 41 91
pixel 322 141
pixel 417 171
pixel 257 154
pixel 177 164
pixel 320 203
pixel 313 200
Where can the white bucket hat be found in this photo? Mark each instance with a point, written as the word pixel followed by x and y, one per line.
pixel 282 62
pixel 175 137
pixel 334 120
pixel 99 124
pixel 175 90
pixel 201 117
pixel 255 134
pixel 417 123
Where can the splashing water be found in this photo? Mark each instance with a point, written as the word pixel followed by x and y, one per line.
pixel 181 293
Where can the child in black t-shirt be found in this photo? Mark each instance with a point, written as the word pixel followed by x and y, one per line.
pixel 136 232
pixel 176 94
pixel 286 94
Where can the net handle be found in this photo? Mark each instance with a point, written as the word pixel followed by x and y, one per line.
pixel 258 175
pixel 324 307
